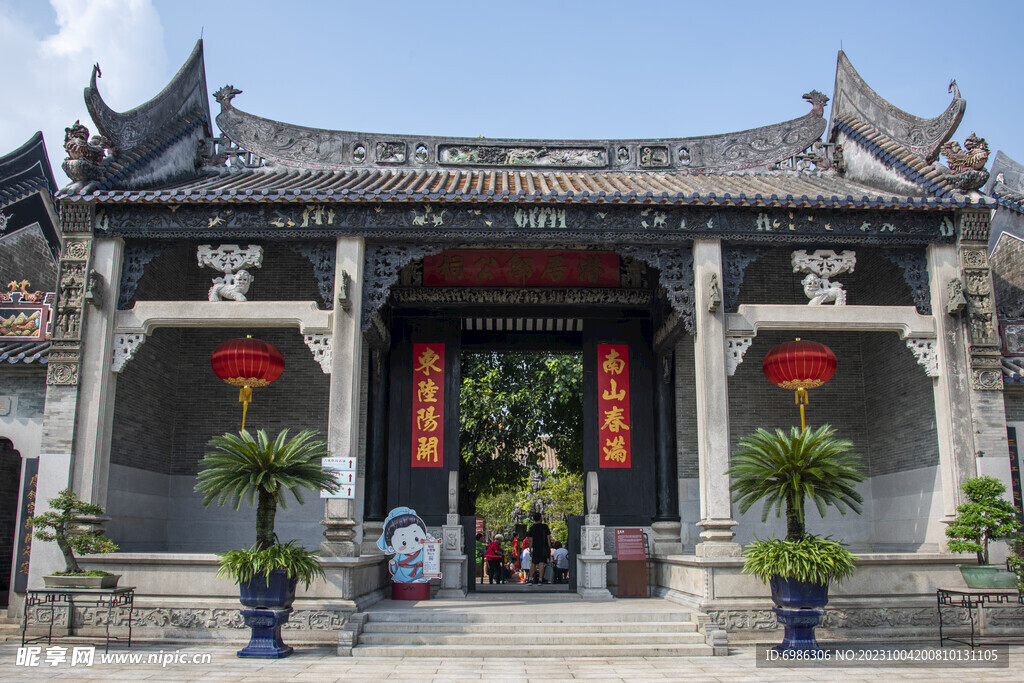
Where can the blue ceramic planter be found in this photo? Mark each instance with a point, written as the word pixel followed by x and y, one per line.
pixel 799 608
pixel 278 593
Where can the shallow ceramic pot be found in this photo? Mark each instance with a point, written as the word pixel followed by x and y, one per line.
pixel 987 576
pixel 55 581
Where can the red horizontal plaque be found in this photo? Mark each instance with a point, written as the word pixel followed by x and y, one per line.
pixel 521 268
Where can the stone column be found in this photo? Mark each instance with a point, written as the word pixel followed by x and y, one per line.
pixel 97 380
pixel 951 388
pixel 666 527
pixel 341 516
pixel 712 405
pixel 454 569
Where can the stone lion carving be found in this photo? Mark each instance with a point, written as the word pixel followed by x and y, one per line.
pixel 820 291
pixel 231 287
pixel 85 155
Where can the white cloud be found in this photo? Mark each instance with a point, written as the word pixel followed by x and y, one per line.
pixel 44 75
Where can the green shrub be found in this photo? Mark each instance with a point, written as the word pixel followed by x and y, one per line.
pixel 811 559
pixel 241 565
pixel 983 517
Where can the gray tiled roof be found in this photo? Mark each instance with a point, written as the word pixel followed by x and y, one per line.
pixel 24 352
pixel 764 188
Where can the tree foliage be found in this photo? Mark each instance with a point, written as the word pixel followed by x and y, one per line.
pixel 783 470
pixel 511 405
pixel 60 524
pixel 984 516
pixel 560 495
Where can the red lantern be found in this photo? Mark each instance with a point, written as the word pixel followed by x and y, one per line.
pixel 247 363
pixel 800 365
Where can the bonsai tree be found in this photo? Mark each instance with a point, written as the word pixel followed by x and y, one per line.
pixel 262 471
pixel 62 524
pixel 784 470
pixel 983 517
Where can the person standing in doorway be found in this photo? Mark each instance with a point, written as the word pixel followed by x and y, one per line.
pixel 495 557
pixel 540 541
pixel 481 548
pixel 560 561
pixel 524 562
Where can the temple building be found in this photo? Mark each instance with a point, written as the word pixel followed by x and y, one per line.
pixel 677 264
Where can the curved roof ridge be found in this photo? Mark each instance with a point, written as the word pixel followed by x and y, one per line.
pixel 853 97
pixel 185 92
pixel 285 144
pixel 1006 182
pixel 26 164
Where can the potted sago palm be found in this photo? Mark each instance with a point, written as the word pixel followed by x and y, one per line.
pixel 783 470
pixel 262 471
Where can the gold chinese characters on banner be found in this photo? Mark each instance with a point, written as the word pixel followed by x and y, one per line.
pixel 613 418
pixel 428 405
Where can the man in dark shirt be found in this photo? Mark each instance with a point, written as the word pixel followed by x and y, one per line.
pixel 540 541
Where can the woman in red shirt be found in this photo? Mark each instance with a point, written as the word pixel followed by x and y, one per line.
pixel 494 556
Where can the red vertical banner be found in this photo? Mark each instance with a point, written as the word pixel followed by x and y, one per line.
pixel 428 405
pixel 613 419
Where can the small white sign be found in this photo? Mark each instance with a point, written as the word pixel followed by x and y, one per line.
pixel 432 559
pixel 344 471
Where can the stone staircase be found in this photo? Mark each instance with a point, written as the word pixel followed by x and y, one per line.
pixel 532 626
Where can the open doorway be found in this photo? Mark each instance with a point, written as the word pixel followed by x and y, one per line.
pixel 521 448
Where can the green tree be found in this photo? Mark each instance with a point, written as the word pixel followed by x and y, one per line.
pixel 497 510
pixel 512 404
pixel 560 495
pixel 263 471
pixel 784 470
pixel 984 516
pixel 61 524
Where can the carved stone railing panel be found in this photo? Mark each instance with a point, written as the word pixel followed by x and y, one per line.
pixel 136 258
pixel 322 255
pixel 734 262
pixel 125 346
pixel 914 264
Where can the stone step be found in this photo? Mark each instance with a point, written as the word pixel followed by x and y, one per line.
pixel 569 641
pixel 540 628
pixel 521 617
pixel 534 650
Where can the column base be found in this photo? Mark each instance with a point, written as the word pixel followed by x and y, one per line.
pixel 339 549
pixel 667 539
pixel 371 533
pixel 718 549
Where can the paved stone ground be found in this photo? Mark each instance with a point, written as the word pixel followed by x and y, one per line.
pixel 311 664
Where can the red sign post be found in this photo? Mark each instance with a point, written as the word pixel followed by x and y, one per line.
pixel 428 405
pixel 613 416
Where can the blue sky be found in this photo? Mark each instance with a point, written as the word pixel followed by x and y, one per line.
pixel 596 69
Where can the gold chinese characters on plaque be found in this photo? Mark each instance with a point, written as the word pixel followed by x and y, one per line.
pixel 428 405
pixel 613 417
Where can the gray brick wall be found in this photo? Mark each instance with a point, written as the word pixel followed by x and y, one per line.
pixel 1013 402
pixel 149 434
pixel 875 281
pixel 175 275
pixel 686 410
pixel 27 383
pixel 25 255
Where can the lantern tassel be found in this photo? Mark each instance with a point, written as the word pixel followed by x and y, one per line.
pixel 244 396
pixel 801 400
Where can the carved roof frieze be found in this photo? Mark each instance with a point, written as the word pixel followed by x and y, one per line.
pixel 855 98
pixel 283 144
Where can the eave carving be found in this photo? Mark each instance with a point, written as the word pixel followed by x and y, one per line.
pixel 924 137
pixel 675 276
pixel 489 223
pixel 734 263
pixel 322 255
pixel 914 265
pixel 136 258
pixel 571 296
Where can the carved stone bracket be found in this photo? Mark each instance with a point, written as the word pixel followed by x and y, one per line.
pixel 982 331
pixel 957 301
pixel 915 271
pixel 383 264
pixel 136 258
pixel 125 346
pixel 735 261
pixel 735 349
pixel 322 255
pixel 320 345
pixel 675 267
pixel 926 354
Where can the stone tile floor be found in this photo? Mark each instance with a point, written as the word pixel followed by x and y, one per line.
pixel 313 664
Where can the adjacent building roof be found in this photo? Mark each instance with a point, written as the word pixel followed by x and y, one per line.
pixel 26 171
